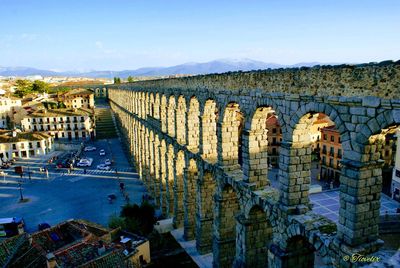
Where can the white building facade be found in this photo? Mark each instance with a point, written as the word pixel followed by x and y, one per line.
pixel 396 171
pixel 61 123
pixel 24 145
pixel 7 108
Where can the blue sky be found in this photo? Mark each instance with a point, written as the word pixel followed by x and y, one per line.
pixel 122 34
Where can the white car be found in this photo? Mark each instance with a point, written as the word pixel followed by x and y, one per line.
pixel 107 162
pixel 102 152
pixel 85 162
pixel 103 167
pixel 90 148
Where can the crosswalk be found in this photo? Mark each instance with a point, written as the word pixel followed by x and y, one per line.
pixel 126 172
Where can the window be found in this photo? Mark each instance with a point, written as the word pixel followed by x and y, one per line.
pixel 325 137
pixel 30 145
pixel 22 146
pixel 323 160
pixel 339 139
pixel 332 138
pixel 38 144
pixel 274 130
pixel 274 151
pixel 273 140
pixel 14 146
pixel 331 162
pixel 332 151
pixel 339 153
pixel 324 149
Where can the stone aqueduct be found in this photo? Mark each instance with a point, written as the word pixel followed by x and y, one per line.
pixel 200 146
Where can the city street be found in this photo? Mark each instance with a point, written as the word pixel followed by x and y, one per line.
pixel 60 195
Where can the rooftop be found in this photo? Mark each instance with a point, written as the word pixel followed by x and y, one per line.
pixel 7 136
pixel 71 243
pixel 78 91
pixel 60 112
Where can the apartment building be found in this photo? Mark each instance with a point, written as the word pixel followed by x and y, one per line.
pixel 7 108
pixel 15 144
pixel 274 139
pixel 78 98
pixel 330 155
pixel 396 170
pixel 61 123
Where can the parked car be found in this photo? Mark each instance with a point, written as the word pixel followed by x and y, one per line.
pixel 90 148
pixel 107 162
pixel 103 167
pixel 102 152
pixel 85 162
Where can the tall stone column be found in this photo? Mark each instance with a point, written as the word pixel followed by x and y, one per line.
pixel 205 190
pixel 253 234
pixel 255 158
pixel 360 192
pixel 180 173
pixel 169 184
pixel 224 231
pixel 163 178
pixel 294 177
pixel 189 199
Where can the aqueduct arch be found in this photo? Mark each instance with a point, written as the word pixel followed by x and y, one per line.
pixel 221 153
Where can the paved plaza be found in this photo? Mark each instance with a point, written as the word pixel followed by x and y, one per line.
pixel 60 195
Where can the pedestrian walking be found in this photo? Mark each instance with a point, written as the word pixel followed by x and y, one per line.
pixel 121 186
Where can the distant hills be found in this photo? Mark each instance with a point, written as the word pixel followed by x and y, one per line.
pixel 216 66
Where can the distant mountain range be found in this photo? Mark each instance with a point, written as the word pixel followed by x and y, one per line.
pixel 216 66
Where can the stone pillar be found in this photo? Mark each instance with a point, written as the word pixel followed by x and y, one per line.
pixel 156 178
pixel 163 178
pixel 255 158
pixel 181 119
pixel 253 234
pixel 180 173
pixel 171 117
pixel 224 231
pixel 171 165
pixel 360 192
pixel 189 199
pixel 193 126
pixel 209 139
pixel 299 255
pixel 204 211
pixel 294 177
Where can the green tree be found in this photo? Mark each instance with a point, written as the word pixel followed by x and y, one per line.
pixel 134 218
pixel 24 87
pixel 130 79
pixel 40 86
pixel 117 80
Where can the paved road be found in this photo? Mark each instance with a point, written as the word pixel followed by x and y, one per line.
pixel 64 196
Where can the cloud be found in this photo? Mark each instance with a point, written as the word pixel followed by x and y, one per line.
pixel 100 46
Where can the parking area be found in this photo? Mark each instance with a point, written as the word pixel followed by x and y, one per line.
pixel 58 195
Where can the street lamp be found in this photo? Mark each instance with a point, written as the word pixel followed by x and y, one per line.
pixel 20 192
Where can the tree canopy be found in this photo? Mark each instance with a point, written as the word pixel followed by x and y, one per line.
pixel 25 87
